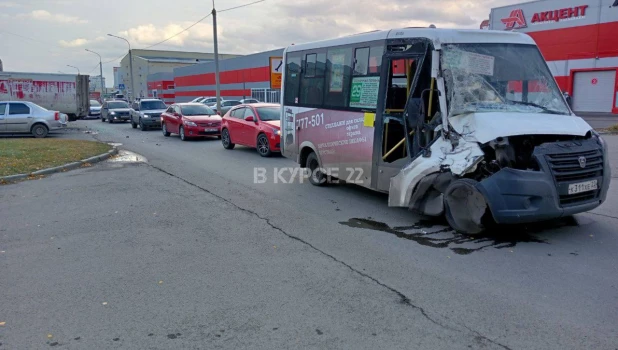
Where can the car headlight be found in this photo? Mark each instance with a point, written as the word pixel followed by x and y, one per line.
pixel 113 113
pixel 146 115
pixel 189 123
pixel 277 132
pixel 600 141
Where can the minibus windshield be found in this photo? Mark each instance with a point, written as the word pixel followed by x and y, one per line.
pixel 499 78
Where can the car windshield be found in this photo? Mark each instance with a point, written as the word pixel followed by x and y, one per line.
pixel 232 103
pixel 269 113
pixel 499 78
pixel 149 105
pixel 117 104
pixel 196 110
pixel 94 103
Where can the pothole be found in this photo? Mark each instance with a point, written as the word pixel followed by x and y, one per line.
pixel 124 156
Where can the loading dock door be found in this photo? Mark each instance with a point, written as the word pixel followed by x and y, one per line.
pixel 594 91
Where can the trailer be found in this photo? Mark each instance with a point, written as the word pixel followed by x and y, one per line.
pixel 66 93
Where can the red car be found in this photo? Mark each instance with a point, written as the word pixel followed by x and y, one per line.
pixel 256 125
pixel 190 120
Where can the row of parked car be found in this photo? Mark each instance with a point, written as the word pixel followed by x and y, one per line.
pixel 246 122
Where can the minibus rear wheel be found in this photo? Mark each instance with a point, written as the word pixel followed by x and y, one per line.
pixel 316 176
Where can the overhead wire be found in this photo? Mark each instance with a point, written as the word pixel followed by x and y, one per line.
pixel 148 47
pixel 182 31
pixel 245 5
pixel 200 20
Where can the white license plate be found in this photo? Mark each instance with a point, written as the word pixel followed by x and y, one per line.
pixel 583 187
pixel 210 130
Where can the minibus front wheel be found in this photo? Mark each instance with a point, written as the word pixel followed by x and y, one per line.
pixel 465 207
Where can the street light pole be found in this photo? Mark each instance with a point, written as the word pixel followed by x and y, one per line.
pixel 130 62
pixel 78 73
pixel 101 72
pixel 216 47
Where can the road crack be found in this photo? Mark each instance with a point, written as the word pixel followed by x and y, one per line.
pixel 604 215
pixel 403 299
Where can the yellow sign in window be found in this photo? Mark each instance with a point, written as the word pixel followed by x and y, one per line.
pixel 276 67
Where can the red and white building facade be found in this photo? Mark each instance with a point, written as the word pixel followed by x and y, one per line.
pixel 161 85
pixel 579 40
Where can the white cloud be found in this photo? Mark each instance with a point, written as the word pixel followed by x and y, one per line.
pixel 149 34
pixel 74 43
pixel 44 15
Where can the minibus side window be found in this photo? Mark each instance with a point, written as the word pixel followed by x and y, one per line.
pixel 338 74
pixel 312 79
pixel 292 79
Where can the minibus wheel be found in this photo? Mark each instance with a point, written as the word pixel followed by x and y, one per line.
pixel 316 176
pixel 465 207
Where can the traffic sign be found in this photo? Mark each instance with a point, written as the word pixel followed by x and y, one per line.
pixel 121 86
pixel 276 67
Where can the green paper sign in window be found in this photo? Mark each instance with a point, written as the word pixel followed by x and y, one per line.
pixel 364 93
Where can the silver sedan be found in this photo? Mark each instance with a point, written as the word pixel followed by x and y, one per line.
pixel 18 117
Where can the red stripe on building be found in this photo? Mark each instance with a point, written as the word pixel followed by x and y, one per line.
pixel 199 93
pixel 249 75
pixel 597 40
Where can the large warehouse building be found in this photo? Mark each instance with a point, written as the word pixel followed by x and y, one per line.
pixel 241 77
pixel 148 62
pixel 579 39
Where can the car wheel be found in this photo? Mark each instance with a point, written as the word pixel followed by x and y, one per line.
pixel 142 127
pixel 263 146
pixel 164 130
pixel 226 140
pixel 133 125
pixel 39 131
pixel 181 132
pixel 317 177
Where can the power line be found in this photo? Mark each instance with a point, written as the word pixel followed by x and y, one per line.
pixel 200 20
pixel 115 59
pixel 182 31
pixel 245 5
pixel 95 67
pixel 37 40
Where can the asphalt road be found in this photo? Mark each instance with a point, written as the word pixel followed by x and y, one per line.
pixel 184 250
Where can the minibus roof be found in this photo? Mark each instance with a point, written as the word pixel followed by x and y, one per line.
pixel 438 36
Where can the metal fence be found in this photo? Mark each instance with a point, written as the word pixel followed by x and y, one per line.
pixel 266 95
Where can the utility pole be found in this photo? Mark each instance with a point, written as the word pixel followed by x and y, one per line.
pixel 101 72
pixel 130 63
pixel 216 45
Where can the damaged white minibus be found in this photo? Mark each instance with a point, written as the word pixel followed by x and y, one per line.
pixel 469 124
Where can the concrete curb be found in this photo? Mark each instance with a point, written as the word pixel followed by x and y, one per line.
pixel 66 167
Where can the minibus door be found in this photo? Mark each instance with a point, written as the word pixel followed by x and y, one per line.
pixel 390 149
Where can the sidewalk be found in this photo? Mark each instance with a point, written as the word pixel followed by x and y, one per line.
pixel 599 120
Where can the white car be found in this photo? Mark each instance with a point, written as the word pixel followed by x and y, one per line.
pixel 95 109
pixel 17 117
pixel 199 99
pixel 249 101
